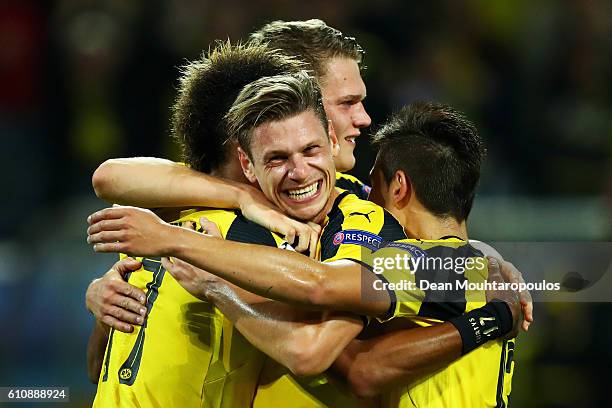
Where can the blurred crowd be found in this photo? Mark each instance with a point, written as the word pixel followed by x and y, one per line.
pixel 83 81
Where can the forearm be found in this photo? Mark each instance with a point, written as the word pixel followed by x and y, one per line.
pixel 305 342
pixel 95 350
pixel 151 182
pixel 280 275
pixel 398 358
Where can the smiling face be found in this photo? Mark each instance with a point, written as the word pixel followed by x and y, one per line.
pixel 293 162
pixel 343 92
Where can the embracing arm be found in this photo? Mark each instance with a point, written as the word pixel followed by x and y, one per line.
pixel 152 183
pixel 285 276
pixel 404 356
pixel 398 358
pixel 510 274
pixel 306 342
pixel 281 275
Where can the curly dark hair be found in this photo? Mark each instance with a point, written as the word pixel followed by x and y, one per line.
pixel 207 89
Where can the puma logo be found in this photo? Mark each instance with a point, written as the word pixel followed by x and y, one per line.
pixel 364 214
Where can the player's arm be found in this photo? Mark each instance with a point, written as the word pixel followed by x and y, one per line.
pixel 280 275
pixel 510 274
pixel 306 342
pixel 151 183
pixel 397 358
pixel 114 303
pixel 402 357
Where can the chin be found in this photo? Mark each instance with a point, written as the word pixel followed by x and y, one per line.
pixel 345 164
pixel 306 214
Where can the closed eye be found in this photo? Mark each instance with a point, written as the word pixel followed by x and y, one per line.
pixel 312 149
pixel 276 159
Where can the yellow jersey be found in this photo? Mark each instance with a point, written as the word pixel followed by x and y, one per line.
pixel 186 354
pixel 350 224
pixel 353 185
pixel 447 281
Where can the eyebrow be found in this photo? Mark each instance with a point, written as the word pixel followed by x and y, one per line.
pixel 272 153
pixel 353 97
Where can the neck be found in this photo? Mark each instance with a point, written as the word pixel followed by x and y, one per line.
pixel 320 218
pixel 420 223
pixel 230 171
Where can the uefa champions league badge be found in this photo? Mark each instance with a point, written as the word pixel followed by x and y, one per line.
pixel 338 238
pixel 358 237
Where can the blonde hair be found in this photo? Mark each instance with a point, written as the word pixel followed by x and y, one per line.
pixel 312 41
pixel 270 99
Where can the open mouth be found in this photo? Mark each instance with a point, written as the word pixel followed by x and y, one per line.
pixel 304 193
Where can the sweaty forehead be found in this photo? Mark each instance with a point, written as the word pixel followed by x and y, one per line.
pixel 342 78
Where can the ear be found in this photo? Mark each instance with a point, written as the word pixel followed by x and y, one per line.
pixel 400 188
pixel 333 139
pixel 247 165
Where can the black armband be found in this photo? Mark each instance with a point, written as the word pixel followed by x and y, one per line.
pixel 489 322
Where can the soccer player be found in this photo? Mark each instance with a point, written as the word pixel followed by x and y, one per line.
pixel 425 174
pixel 334 58
pixel 185 352
pixel 336 61
pixel 285 149
pixel 138 369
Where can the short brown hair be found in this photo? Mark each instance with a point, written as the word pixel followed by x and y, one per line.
pixel 440 150
pixel 312 41
pixel 207 89
pixel 271 99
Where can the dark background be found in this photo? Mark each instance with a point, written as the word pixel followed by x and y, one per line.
pixel 83 81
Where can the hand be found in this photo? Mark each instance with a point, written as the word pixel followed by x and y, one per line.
pixel 129 230
pixel 115 302
pixel 508 296
pixel 256 207
pixel 513 275
pixel 208 227
pixel 196 281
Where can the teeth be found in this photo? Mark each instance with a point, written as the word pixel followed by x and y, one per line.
pixel 303 193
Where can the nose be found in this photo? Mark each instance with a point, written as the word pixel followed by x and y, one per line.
pixel 361 119
pixel 299 168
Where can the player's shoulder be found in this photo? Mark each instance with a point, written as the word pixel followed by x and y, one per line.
pixel 457 246
pixel 247 231
pixel 233 226
pixel 352 184
pixel 347 177
pixel 349 212
pixel 223 218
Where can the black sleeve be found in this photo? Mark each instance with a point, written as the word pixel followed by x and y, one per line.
pixel 243 230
